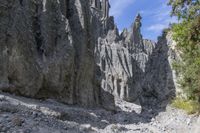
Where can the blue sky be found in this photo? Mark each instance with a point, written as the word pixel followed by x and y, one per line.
pixel 155 14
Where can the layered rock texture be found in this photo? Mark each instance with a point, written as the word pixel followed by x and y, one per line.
pixel 72 51
pixel 123 61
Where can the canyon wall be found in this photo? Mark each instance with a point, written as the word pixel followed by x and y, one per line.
pixel 71 50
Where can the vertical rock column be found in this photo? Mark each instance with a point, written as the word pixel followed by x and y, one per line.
pixel 86 93
pixel 4 35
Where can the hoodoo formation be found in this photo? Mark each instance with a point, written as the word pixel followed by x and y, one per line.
pixel 71 50
pixel 65 68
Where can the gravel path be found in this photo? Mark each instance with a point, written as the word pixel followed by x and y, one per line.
pixel 23 115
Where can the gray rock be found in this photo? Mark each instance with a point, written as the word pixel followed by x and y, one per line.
pixel 39 55
pixel 158 83
pixel 50 52
pixel 71 50
pixel 123 60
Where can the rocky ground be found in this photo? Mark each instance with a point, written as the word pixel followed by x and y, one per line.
pixel 25 115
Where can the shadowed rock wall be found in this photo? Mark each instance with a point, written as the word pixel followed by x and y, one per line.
pixel 71 50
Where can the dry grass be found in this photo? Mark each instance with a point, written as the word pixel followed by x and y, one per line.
pixel 191 107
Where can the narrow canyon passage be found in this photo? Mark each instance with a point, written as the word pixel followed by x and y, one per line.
pixel 66 68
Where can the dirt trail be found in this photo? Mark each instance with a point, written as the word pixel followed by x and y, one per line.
pixel 19 114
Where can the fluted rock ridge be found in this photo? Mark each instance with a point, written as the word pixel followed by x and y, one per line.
pixel 71 50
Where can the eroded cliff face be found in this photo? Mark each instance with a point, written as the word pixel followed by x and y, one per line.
pixel 71 50
pixel 158 82
pixel 36 48
pixel 47 50
pixel 123 59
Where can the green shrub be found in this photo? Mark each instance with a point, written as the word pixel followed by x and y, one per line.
pixel 191 107
pixel 187 36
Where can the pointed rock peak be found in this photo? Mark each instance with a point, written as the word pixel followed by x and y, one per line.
pixel 135 36
pixel 124 33
pixel 125 30
pixel 137 22
pixel 138 17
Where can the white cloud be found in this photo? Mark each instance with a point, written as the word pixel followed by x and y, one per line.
pixel 162 24
pixel 158 14
pixel 157 27
pixel 118 6
pixel 161 17
pixel 171 20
